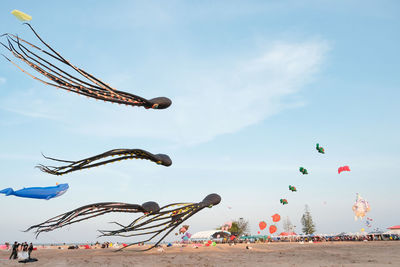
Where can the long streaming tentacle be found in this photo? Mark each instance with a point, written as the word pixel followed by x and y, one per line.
pixel 93 87
pixel 84 213
pixel 171 228
pixel 155 221
pixel 94 161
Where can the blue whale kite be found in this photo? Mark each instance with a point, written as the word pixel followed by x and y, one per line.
pixel 38 192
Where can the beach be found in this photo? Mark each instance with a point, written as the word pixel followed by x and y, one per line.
pixel 266 254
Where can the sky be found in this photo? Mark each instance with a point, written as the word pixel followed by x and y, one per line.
pixel 254 86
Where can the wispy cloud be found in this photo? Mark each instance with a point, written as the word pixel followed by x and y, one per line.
pixel 24 105
pixel 32 114
pixel 2 80
pixel 9 156
pixel 29 103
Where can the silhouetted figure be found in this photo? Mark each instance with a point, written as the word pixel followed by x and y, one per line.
pixel 14 250
pixel 30 248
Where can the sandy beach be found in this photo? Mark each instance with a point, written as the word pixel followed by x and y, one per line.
pixel 273 254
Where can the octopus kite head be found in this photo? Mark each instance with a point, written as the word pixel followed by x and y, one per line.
pixel 163 159
pixel 211 200
pixel 151 207
pixel 159 103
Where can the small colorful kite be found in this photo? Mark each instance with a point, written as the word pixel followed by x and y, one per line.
pixel 320 149
pixel 183 229
pixel 344 168
pixel 262 225
pixel 187 236
pixel 360 207
pixel 226 226
pixel 276 217
pixel 292 188
pixel 303 171
pixel 21 15
pixel 272 229
pixel 283 201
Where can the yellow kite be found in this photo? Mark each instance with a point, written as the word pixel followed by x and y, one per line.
pixel 21 15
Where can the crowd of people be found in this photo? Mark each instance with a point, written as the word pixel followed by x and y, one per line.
pixel 346 237
pixel 21 251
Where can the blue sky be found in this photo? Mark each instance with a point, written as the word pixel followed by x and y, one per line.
pixel 254 85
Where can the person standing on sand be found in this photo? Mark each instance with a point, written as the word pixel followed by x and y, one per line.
pixel 14 250
pixel 23 253
pixel 30 250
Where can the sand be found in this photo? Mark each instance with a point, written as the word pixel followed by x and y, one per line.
pixel 275 254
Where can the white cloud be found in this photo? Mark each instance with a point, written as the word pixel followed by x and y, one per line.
pixel 28 104
pixel 221 101
pixel 216 102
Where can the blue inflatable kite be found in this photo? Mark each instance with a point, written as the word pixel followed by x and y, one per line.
pixel 38 192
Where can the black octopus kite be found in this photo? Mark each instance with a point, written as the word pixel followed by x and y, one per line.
pixel 154 222
pixel 87 85
pixel 95 161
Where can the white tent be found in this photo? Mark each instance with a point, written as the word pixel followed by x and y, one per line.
pixel 211 234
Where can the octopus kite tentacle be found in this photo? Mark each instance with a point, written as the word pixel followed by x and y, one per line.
pixel 86 212
pixel 60 78
pixel 155 221
pixel 121 154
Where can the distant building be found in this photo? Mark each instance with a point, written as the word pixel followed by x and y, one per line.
pixel 394 230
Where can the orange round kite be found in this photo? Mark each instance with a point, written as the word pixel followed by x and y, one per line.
pixel 272 229
pixel 262 225
pixel 276 217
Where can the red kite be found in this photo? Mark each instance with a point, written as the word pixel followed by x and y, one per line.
pixel 276 217
pixel 344 168
pixel 262 225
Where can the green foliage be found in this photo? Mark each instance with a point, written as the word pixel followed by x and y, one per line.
pixel 307 222
pixel 239 227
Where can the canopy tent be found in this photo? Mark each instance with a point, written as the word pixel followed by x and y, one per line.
pixel 211 234
pixel 394 230
pixel 287 234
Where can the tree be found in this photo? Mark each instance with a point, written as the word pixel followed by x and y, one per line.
pixel 239 227
pixel 307 222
